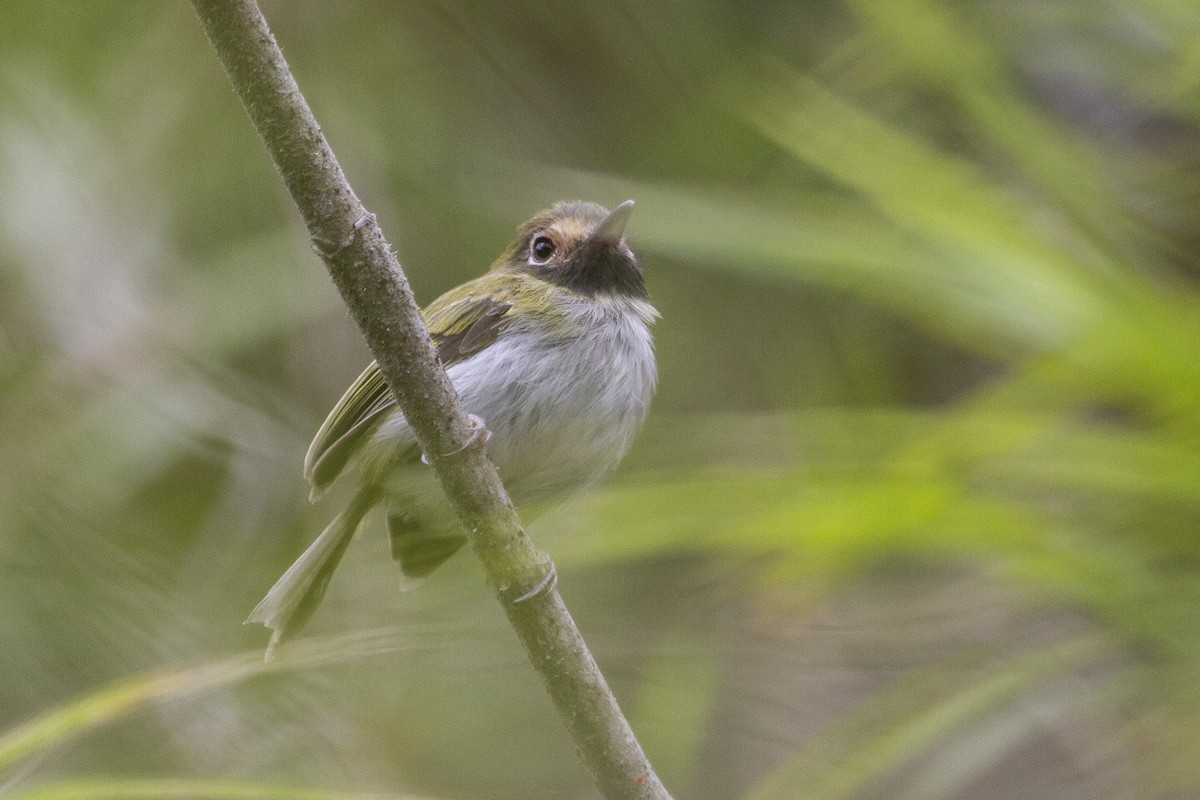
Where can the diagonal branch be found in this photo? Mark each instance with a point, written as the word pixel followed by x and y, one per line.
pixel 371 282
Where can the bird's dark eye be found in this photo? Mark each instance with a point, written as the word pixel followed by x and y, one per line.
pixel 541 250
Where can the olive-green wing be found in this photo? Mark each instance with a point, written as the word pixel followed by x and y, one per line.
pixel 461 323
pixel 461 328
pixel 363 405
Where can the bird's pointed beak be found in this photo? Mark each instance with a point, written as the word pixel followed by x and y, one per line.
pixel 611 231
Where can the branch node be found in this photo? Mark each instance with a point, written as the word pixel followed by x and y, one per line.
pixel 330 250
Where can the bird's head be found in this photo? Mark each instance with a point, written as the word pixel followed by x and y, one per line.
pixel 580 247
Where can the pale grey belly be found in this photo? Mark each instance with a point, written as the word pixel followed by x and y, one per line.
pixel 560 417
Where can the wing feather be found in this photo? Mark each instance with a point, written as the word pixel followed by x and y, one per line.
pixel 461 323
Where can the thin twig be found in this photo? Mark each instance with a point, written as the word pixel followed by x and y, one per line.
pixel 371 282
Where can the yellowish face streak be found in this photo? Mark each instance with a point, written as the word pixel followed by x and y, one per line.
pixel 567 234
pixel 567 230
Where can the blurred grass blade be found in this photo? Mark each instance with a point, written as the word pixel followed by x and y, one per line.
pixel 58 725
pixel 832 494
pixel 192 790
pixel 110 703
pixel 925 191
pixel 935 40
pixel 1132 338
pixel 676 698
pixel 959 761
pixel 877 740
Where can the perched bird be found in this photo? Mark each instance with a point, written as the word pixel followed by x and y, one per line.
pixel 551 348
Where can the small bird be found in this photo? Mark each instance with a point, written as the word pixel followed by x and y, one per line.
pixel 551 349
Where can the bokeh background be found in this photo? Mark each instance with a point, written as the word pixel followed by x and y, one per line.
pixel 916 513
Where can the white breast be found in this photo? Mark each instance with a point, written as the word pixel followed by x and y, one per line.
pixel 563 411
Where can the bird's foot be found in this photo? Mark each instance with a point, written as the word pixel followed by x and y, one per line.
pixel 544 586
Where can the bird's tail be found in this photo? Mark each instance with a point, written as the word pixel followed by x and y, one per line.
pixel 418 548
pixel 290 603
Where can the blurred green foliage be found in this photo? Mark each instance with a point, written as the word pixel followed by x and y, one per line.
pixel 917 512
